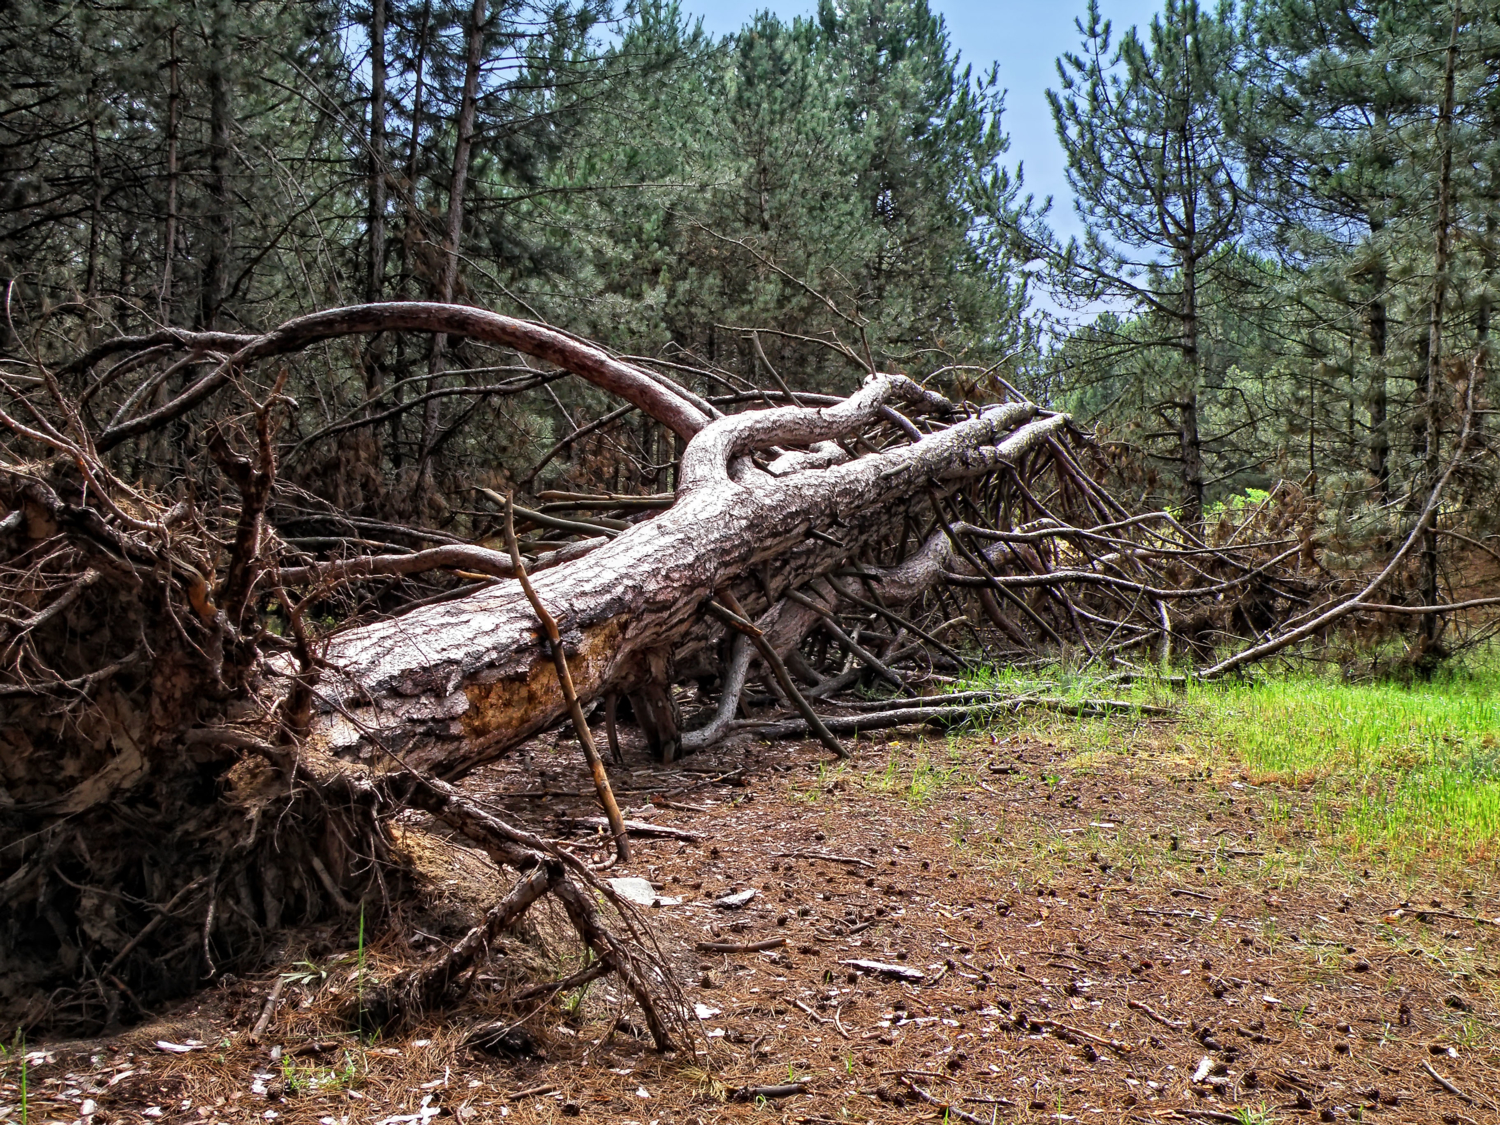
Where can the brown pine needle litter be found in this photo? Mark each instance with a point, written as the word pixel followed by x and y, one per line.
pixel 1065 973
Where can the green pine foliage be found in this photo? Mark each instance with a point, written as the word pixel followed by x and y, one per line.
pixel 821 197
pixel 1252 300
pixel 1315 181
pixel 835 185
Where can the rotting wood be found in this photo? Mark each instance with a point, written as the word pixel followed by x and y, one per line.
pixel 808 1010
pixel 1146 1010
pixel 947 1108
pixel 268 1009
pixel 770 1093
pixel 1421 914
pixel 1078 1035
pixel 637 828
pixel 880 968
pixel 739 946
pixel 532 1092
pixel 826 856
pixel 1447 1085
pixel 1207 1115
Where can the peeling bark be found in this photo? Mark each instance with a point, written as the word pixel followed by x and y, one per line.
pixel 453 686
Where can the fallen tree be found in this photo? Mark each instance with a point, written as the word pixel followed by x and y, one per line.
pixel 191 761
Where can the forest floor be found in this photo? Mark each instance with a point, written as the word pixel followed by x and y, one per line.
pixel 1134 919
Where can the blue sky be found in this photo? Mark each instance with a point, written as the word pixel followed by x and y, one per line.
pixel 1025 37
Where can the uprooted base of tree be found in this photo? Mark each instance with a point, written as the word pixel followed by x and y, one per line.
pixel 274 853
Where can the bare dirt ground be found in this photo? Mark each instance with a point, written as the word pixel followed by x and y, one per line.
pixel 1121 938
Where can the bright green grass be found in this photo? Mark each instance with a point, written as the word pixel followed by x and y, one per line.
pixel 1414 767
pixel 1417 765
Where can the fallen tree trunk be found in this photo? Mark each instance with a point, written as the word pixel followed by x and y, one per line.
pixel 452 686
pixel 188 685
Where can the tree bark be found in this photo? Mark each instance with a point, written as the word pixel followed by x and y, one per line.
pixel 634 384
pixel 375 281
pixel 169 235
pixel 1377 328
pixel 1190 441
pixel 419 68
pixel 140 692
pixel 412 217
pixel 453 238
pixel 452 686
pixel 220 235
pixel 96 206
pixel 373 358
pixel 400 706
pixel 1433 419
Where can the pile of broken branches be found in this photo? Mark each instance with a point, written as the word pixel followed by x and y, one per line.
pixel 213 720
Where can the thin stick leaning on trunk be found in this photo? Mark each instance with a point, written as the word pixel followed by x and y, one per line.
pixel 831 623
pixel 986 573
pixel 565 681
pixel 894 618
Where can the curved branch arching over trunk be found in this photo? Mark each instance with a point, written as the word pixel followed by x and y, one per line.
pixel 654 395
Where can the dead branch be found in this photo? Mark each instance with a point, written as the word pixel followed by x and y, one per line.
pixel 565 682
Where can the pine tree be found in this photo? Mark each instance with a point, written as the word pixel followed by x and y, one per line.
pixel 1147 128
pixel 1373 138
pixel 811 196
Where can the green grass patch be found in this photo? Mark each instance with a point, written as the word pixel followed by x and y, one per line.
pixel 919 773
pixel 1372 765
pixel 1417 765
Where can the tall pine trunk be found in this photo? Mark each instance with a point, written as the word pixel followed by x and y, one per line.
pixel 374 357
pixel 1376 395
pixel 96 205
pixel 375 281
pixel 453 238
pixel 1190 440
pixel 215 280
pixel 169 235
pixel 1432 395
pixel 413 218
